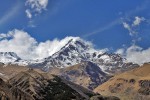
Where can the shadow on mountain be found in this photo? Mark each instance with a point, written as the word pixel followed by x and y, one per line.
pixel 32 85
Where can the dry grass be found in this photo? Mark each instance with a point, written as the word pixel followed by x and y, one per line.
pixel 126 85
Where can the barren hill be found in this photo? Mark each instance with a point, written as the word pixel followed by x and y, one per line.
pixel 86 74
pixel 131 85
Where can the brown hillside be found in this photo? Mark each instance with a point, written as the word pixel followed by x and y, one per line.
pixel 7 71
pixel 86 74
pixel 131 85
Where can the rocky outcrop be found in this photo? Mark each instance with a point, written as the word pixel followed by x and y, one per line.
pixel 144 87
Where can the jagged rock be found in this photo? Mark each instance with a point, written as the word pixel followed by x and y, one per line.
pixel 144 87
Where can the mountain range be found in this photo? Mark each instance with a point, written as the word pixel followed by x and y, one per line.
pixel 34 85
pixel 75 70
pixel 75 51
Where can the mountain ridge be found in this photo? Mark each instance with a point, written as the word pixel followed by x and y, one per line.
pixel 75 51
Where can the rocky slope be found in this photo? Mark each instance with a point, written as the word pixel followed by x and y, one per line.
pixel 77 61
pixel 9 70
pixel 131 85
pixel 86 74
pixel 9 92
pixel 32 85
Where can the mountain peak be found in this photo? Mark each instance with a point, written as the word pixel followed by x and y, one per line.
pixel 7 57
pixel 8 53
pixel 74 44
pixel 77 41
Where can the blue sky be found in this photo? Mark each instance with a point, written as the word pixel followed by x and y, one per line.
pixel 99 21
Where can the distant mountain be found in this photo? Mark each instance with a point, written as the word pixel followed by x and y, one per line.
pixel 8 57
pixel 9 70
pixel 86 74
pixel 11 58
pixel 77 51
pixel 130 85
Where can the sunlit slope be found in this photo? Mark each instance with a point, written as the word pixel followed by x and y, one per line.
pixel 131 85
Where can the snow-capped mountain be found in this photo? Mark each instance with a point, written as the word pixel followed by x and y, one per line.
pixel 8 57
pixel 11 58
pixel 73 52
pixel 77 50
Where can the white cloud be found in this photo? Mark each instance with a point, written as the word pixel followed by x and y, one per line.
pixel 138 20
pixel 129 28
pixel 35 7
pixel 132 12
pixel 20 42
pixel 27 47
pixel 120 51
pixel 126 25
pixel 135 54
pixel 3 35
pixel 132 28
pixel 50 47
pixel 28 13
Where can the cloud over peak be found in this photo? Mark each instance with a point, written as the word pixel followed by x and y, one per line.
pixel 27 47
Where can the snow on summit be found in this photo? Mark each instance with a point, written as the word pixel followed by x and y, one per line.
pixel 29 48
